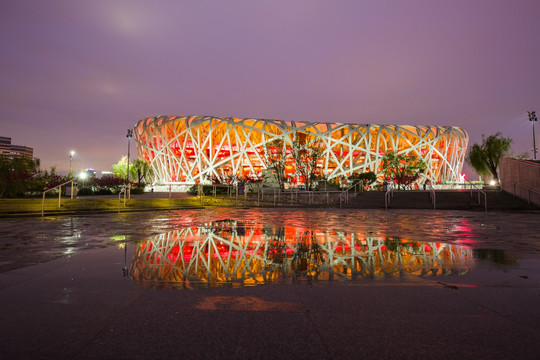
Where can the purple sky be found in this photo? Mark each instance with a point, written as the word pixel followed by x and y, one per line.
pixel 75 75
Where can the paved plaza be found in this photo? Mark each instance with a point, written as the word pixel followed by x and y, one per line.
pixel 68 290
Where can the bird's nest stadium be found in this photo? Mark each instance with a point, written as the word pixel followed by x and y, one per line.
pixel 186 150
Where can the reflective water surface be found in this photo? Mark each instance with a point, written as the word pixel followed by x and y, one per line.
pixel 238 253
pixel 322 283
pixel 247 247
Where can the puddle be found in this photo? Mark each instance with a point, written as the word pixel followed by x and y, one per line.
pixel 236 253
pixel 249 247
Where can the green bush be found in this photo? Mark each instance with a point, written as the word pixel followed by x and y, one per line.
pixel 49 194
pixel 367 178
pixel 103 191
pixel 85 191
pixel 208 190
pixel 192 190
pixel 137 190
pixel 219 190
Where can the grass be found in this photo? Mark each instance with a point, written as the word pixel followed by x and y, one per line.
pixel 33 206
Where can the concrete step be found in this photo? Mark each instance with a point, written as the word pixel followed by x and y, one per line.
pixel 367 200
pixel 445 200
pixel 410 200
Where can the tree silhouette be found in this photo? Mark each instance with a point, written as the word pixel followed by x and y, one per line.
pixel 485 158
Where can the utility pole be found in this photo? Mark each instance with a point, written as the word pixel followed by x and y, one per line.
pixel 533 119
pixel 71 153
pixel 129 135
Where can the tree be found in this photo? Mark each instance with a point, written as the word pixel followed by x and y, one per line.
pixel 16 175
pixel 306 154
pixel 120 168
pixel 403 168
pixel 19 176
pixel 485 158
pixel 44 180
pixel 367 178
pixel 275 157
pixel 143 170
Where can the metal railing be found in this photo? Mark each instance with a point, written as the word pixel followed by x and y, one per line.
pixel 433 197
pixel 294 196
pixel 480 191
pixel 59 195
pixel 125 191
pixel 387 196
pixel 170 195
pixel 232 190
pixel 200 193
pixel 281 196
pixel 456 186
pixel 344 195
pixel 528 190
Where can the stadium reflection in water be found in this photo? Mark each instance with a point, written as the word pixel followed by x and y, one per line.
pixel 234 253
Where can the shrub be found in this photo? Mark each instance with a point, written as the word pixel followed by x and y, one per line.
pixel 137 190
pixel 49 194
pixel 192 190
pixel 111 183
pixel 367 178
pixel 85 191
pixel 103 191
pixel 208 190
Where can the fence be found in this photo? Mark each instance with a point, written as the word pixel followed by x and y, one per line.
pixel 59 187
pixel 253 194
pixel 521 178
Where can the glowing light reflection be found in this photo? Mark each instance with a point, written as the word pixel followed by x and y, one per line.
pixel 234 253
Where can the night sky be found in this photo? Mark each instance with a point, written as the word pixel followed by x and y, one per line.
pixel 75 75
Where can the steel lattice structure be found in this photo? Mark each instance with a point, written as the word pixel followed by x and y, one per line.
pixel 233 252
pixel 192 149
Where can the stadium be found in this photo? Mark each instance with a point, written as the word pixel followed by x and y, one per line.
pixel 185 150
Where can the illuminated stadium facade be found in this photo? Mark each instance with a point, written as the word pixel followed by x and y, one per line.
pixel 194 149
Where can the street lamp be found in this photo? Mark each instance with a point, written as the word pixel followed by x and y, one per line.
pixel 71 153
pixel 83 175
pixel 532 119
pixel 129 135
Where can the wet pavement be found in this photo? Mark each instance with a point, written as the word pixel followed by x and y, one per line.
pixel 271 283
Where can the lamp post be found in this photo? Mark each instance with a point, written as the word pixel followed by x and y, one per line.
pixel 129 135
pixel 532 119
pixel 71 153
pixel 83 175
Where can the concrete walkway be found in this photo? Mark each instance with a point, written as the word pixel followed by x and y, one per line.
pixel 81 306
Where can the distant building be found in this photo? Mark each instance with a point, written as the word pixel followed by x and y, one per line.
pixel 14 151
pixel 88 173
